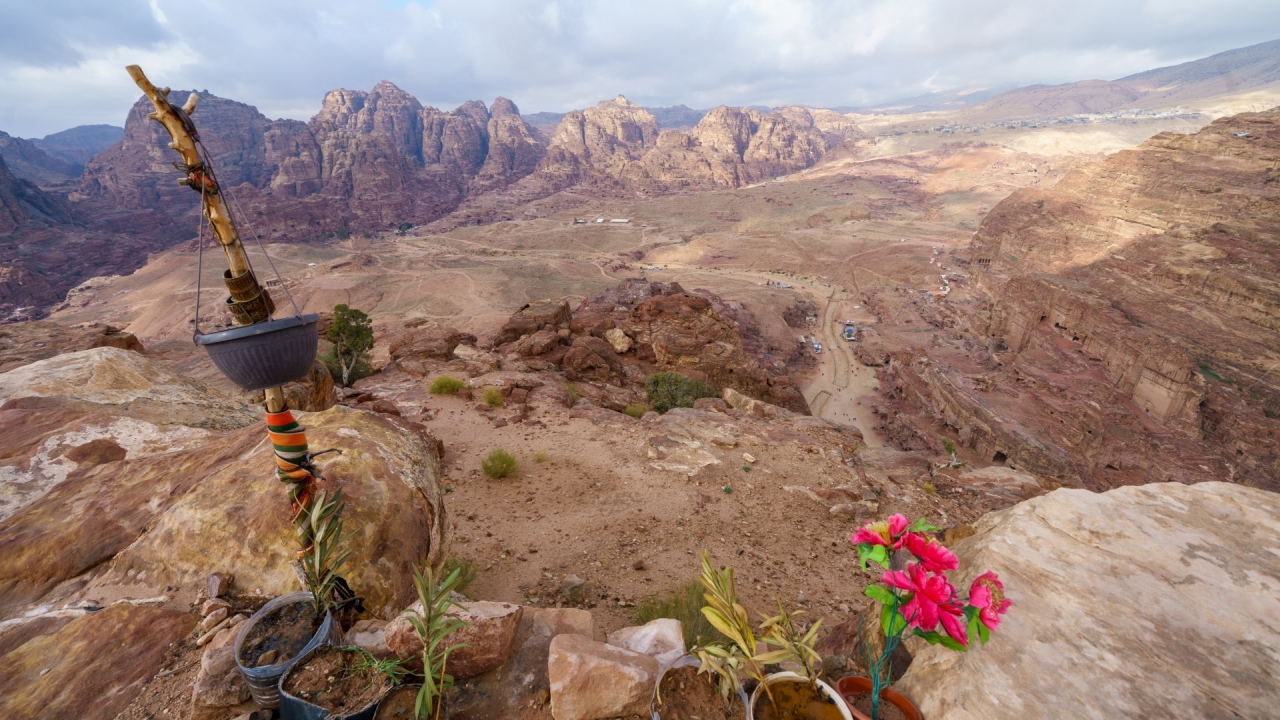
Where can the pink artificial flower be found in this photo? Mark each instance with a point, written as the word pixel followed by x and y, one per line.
pixel 885 532
pixel 953 621
pixel 931 598
pixel 933 556
pixel 987 594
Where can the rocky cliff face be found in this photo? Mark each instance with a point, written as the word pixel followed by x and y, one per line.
pixel 1132 312
pixel 30 162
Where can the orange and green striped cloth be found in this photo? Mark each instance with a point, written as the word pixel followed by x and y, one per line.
pixel 289 440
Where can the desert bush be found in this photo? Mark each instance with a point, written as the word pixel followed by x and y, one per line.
pixel 668 390
pixel 499 464
pixel 493 397
pixel 684 604
pixel 446 385
pixel 541 456
pixel 636 410
pixel 466 568
pixel 573 392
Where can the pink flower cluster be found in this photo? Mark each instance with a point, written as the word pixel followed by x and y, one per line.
pixel 927 598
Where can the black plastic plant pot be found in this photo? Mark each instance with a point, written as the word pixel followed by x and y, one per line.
pixel 293 707
pixel 265 355
pixel 264 682
pixel 399 703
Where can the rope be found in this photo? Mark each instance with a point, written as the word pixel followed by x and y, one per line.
pixel 208 160
pixel 199 263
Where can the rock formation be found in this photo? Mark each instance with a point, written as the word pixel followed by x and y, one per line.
pixel 1131 318
pixel 1152 601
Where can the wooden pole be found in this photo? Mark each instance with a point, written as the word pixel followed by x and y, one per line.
pixel 183 134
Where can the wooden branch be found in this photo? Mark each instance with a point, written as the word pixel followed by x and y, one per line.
pixel 181 133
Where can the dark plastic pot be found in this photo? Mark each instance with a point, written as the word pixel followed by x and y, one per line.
pixel 265 355
pixel 385 704
pixel 264 682
pixel 853 687
pixel 293 707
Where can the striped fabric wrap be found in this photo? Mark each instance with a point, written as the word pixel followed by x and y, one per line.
pixel 293 466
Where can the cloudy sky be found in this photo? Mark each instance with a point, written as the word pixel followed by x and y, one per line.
pixel 61 61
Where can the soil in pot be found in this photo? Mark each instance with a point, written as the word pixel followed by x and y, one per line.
pixel 279 636
pixel 338 680
pixel 398 704
pixel 686 695
pixel 796 701
pixel 887 709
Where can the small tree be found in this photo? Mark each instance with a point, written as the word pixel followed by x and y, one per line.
pixel 668 390
pixel 352 338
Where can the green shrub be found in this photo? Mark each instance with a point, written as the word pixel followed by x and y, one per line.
pixel 499 464
pixel 668 390
pixel 684 604
pixel 541 456
pixel 466 568
pixel 493 397
pixel 446 385
pixel 636 410
pixel 573 392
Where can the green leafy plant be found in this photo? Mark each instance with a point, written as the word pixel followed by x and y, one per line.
pixel 794 646
pixel 499 464
pixel 446 385
pixel 493 397
pixel 433 625
pixel 684 604
pixel 636 410
pixel 352 336
pixel 325 549
pixel 466 569
pixel 668 390
pixel 393 669
pixel 729 617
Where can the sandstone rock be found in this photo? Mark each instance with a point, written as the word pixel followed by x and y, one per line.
pixel 27 342
pixel 217 584
pixel 738 401
pixel 172 514
pixel 539 343
pixel 662 639
pixel 592 681
pixel 412 347
pixel 550 622
pixel 313 394
pixel 43 447
pixel 1178 618
pixel 519 689
pixel 114 381
pixel 212 605
pixel 618 339
pixel 91 667
pixel 213 619
pixel 710 405
pixel 370 636
pixel 490 635
pixel 573 589
pixel 219 683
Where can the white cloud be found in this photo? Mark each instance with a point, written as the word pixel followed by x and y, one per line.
pixel 282 55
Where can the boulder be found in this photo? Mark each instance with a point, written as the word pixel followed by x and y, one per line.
pixel 618 339
pixel 92 667
pixel 738 401
pixel 109 380
pixel 1144 601
pixel 533 317
pixel 550 622
pixel 590 359
pixel 220 507
pixel 313 394
pixel 490 636
pixel 539 343
pixel 412 347
pixel 661 639
pixel 592 681
pixel 370 636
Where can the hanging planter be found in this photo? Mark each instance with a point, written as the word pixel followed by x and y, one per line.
pixel 287 628
pixel 265 355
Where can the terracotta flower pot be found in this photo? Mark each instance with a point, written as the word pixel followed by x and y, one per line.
pixel 853 687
